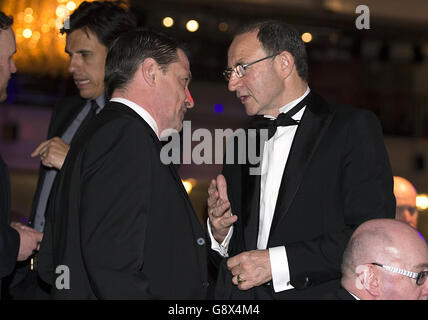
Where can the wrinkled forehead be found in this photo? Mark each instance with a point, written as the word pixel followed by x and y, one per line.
pixel 243 48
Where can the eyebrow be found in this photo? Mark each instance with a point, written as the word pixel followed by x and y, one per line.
pixel 79 51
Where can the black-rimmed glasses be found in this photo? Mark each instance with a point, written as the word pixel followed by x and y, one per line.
pixel 420 277
pixel 239 69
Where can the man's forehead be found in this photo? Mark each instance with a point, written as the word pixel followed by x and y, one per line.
pixel 243 46
pixel 84 37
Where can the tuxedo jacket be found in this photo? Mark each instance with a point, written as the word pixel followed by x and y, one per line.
pixel 9 237
pixel 120 220
pixel 337 176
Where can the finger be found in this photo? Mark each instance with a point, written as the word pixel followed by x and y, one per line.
pixel 227 222
pixel 233 262
pixel 212 199
pixel 236 270
pixel 37 151
pixel 222 187
pixel 212 188
pixel 46 162
pixel 221 209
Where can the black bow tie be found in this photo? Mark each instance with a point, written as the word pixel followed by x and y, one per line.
pixel 284 119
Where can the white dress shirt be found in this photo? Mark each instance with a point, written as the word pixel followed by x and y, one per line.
pixel 275 155
pixel 141 112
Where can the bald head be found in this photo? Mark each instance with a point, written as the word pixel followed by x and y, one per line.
pixel 405 194
pixel 387 242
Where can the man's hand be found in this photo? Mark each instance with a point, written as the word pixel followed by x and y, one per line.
pixel 219 211
pixel 29 240
pixel 52 152
pixel 250 269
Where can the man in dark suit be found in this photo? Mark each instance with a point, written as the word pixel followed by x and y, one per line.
pixel 324 170
pixel 385 260
pixel 120 220
pixel 17 241
pixel 90 31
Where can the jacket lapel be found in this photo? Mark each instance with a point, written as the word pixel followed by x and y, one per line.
pixel 315 120
pixel 250 208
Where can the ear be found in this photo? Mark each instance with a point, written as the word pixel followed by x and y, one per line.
pixel 285 63
pixel 149 69
pixel 368 279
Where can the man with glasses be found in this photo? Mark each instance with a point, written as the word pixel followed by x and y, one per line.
pixel 405 194
pixel 324 171
pixel 385 259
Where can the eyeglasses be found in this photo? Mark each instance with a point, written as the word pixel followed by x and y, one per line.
pixel 420 277
pixel 239 69
pixel 401 209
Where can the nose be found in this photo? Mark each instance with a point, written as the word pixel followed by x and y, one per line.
pixel 234 82
pixel 73 64
pixel 189 100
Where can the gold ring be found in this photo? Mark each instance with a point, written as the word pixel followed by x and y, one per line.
pixel 239 279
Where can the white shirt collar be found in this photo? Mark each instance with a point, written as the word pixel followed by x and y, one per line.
pixel 291 104
pixel 140 111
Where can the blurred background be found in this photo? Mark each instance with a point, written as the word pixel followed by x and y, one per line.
pixel 383 68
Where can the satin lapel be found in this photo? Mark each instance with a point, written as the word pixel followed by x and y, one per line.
pixel 316 119
pixel 250 208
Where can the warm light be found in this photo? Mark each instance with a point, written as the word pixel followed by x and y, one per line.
pixel 71 5
pixel 192 25
pixel 28 11
pixel 168 22
pixel 307 37
pixel 189 184
pixel 27 33
pixel 28 18
pixel 61 11
pixel 45 28
pixel 422 202
pixel 223 26
pixel 36 36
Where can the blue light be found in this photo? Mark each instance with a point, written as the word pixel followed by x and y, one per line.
pixel 218 108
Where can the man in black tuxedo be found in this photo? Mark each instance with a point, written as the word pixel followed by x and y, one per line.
pixel 17 241
pixel 90 31
pixel 324 171
pixel 120 220
pixel 385 260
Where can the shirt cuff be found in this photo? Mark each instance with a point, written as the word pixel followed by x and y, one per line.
pixel 224 246
pixel 279 268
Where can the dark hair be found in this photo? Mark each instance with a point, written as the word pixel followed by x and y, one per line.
pixel 5 21
pixel 107 20
pixel 131 49
pixel 277 36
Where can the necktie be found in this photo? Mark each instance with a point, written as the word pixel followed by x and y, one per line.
pixel 284 119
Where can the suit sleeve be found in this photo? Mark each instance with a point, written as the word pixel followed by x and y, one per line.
pixel 367 193
pixel 9 237
pixel 114 210
pixel 9 247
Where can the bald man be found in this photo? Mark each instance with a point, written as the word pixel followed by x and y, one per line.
pixel 405 195
pixel 385 259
